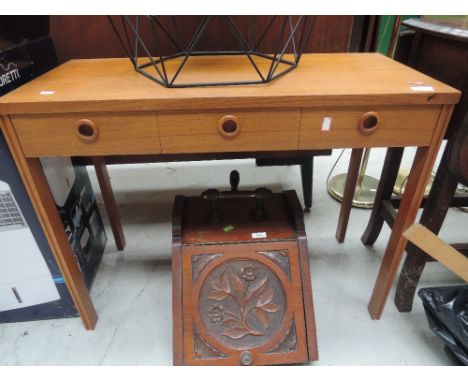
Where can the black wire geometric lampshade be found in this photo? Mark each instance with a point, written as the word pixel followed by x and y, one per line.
pixel 183 51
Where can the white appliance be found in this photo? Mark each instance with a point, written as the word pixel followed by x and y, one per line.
pixel 25 279
pixel 60 175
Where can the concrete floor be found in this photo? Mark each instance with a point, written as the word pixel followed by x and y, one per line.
pixel 132 290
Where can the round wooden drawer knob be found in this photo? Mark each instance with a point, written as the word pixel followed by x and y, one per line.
pixel 369 122
pixel 229 126
pixel 87 130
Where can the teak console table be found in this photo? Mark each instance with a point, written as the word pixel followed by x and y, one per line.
pixel 104 108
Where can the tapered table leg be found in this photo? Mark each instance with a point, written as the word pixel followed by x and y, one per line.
pixel 38 190
pixel 410 202
pixel 109 201
pixel 348 194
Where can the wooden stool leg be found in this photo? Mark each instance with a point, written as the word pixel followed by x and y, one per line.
pixel 307 173
pixel 109 201
pixel 348 194
pixel 384 192
pixel 432 218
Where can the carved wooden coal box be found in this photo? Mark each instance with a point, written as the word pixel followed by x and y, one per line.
pixel 241 280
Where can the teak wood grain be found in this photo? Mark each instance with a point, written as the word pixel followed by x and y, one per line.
pixel 399 126
pixel 265 130
pixel 108 198
pixel 350 186
pixel 40 119
pixel 117 133
pixel 324 80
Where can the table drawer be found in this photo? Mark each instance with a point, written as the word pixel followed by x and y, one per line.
pixel 367 127
pixel 88 134
pixel 229 131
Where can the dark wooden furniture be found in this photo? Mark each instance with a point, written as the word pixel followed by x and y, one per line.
pixel 438 249
pixel 441 52
pixel 241 280
pixel 306 164
pixel 331 34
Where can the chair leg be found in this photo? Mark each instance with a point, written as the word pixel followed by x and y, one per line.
pixel 109 201
pixel 384 192
pixel 307 174
pixel 435 210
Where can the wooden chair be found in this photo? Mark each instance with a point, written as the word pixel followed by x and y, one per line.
pixel 438 249
pixel 442 53
pixel 452 170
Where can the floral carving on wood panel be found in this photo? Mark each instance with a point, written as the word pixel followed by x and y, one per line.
pixel 280 257
pixel 249 294
pixel 203 350
pixel 199 262
pixel 288 343
pixel 241 303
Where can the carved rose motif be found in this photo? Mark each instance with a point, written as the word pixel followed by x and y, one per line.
pixel 249 273
pixel 216 313
pixel 248 297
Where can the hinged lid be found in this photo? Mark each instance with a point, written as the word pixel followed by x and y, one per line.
pixel 236 223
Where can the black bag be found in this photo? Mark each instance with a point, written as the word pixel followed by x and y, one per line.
pixel 447 312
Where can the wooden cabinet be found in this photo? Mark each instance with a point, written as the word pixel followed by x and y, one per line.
pixel 241 288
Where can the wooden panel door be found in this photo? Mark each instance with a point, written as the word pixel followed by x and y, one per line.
pixel 243 304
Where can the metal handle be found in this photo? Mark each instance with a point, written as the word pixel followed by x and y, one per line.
pixel 229 126
pixel 259 193
pixel 213 195
pixel 87 130
pixel 369 122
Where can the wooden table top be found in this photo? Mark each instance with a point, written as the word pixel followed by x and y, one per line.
pixel 339 79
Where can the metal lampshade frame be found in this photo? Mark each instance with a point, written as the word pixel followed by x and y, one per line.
pixel 146 53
